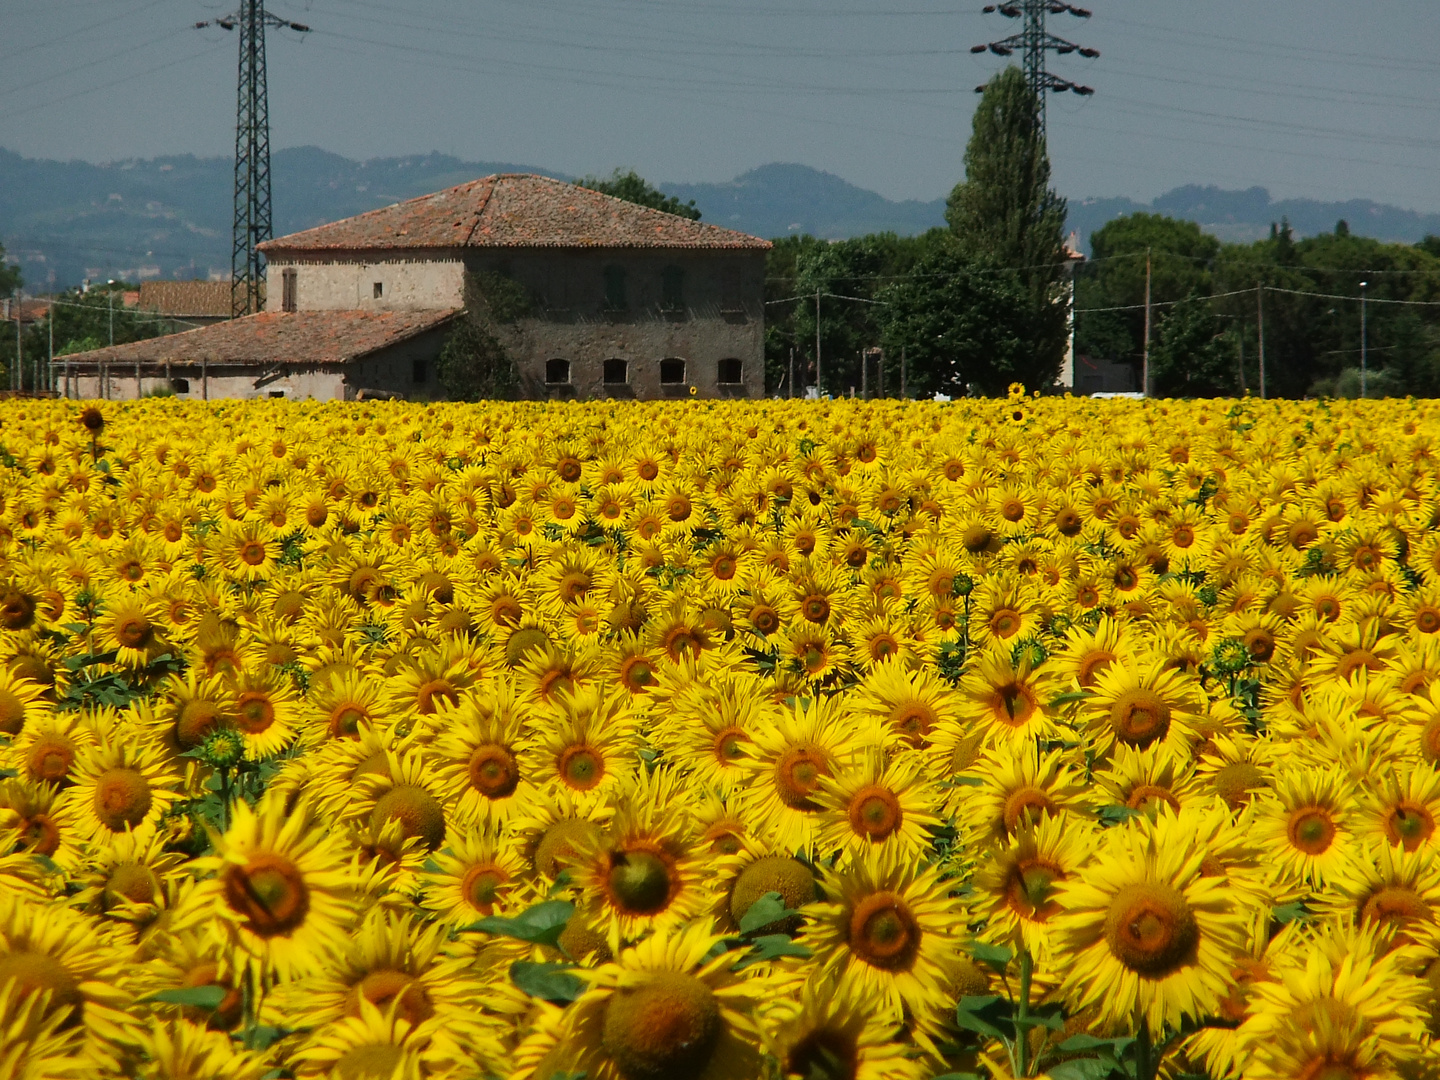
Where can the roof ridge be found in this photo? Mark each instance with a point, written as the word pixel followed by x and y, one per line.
pixel 479 211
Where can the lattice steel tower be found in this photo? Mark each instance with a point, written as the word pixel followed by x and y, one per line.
pixel 252 224
pixel 1033 42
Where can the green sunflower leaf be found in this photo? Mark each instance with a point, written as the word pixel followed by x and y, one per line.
pixel 539 925
pixel 549 982
pixel 984 1015
pixel 200 997
pixel 766 911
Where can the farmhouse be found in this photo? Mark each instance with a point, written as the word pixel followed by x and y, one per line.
pixel 618 300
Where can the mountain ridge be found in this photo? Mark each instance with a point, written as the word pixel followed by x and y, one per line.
pixel 170 216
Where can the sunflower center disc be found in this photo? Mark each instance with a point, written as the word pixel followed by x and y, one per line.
pixel 373 1061
pixel 883 932
pixel 797 776
pixel 789 877
pixel 12 713
pixel 875 813
pixel 1396 905
pixel 133 881
pixel 417 811
pixel 824 1055
pixel 664 1030
pixel 269 892
pixel 134 632
pixel 254 713
pixel 122 798
pixel 35 973
pixel 382 988
pixel 1140 717
pixel 581 767
pixel 196 720
pixel 1312 831
pixel 480 886
pixel 50 758
pixel 561 844
pixel 1410 825
pixel 639 882
pixel 728 745
pixel 1030 888
pixel 1151 929
pixel 493 771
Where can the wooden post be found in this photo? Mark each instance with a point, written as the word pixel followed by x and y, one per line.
pixel 205 378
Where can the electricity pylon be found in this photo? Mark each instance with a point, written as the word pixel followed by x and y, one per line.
pixel 252 223
pixel 1033 42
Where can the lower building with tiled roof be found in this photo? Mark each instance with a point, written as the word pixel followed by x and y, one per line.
pixel 329 355
pixel 589 295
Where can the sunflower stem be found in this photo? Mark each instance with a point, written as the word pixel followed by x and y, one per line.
pixel 1144 1053
pixel 224 800
pixel 1022 1014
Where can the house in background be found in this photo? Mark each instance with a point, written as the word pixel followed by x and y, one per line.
pixel 199 303
pixel 623 301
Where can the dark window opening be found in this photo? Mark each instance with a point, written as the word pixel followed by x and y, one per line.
pixel 557 372
pixel 277 393
pixel 672 370
pixel 730 298
pixel 731 370
pixel 379 289
pixel 617 372
pixel 419 371
pixel 287 290
pixel 615 288
pixel 672 288
pixel 180 386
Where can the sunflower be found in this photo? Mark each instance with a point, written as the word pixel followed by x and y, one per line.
pixel 122 784
pixel 50 949
pixel 1015 887
pixel 279 896
pixel 1005 789
pixel 131 626
pixel 664 1009
pixel 36 1042
pixel 179 1050
pixel 1303 825
pixel 555 828
pixel 375 1045
pixel 22 700
pixel 1390 888
pixel 1338 1003
pixel 126 879
pixel 832 1031
pixel 642 874
pixel 338 706
pixel 1143 780
pixel 1143 935
pixel 481 757
pixel 396 963
pixel 708 725
pixel 247 550
pixel 1143 705
pixel 585 745
pixel 1003 696
pixel 806 742
pixel 472 877
pixel 1089 651
pixel 1403 808
pixel 264 710
pixel 886 931
pixel 46 748
pixel 406 790
pixel 912 702
pixel 878 803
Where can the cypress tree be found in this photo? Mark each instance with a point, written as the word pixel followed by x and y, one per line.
pixel 1004 214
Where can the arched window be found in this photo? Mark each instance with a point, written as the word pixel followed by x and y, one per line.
pixel 617 372
pixel 672 371
pixel 557 372
pixel 730 371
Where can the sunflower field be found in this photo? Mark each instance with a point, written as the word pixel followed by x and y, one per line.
pixel 720 740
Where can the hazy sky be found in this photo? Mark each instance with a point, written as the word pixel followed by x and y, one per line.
pixel 1325 98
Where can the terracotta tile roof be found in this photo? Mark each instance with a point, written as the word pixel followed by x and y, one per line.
pixel 514 210
pixel 274 337
pixel 205 299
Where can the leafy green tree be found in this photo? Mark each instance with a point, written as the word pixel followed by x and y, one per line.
pixel 1192 358
pixel 1005 214
pixel 632 187
pixel 10 280
pixel 965 327
pixel 1180 264
pixel 475 363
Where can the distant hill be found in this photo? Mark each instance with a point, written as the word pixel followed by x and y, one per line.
pixel 170 216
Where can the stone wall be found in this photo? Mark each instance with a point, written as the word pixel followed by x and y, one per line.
pixel 406 284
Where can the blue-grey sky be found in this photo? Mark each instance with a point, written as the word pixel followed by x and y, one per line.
pixel 1330 99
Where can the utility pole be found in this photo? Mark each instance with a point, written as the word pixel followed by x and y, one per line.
pixel 19 353
pixel 790 387
pixel 50 366
pixel 1145 366
pixel 1364 339
pixel 1260 329
pixel 904 375
pixel 252 224
pixel 1033 42
pixel 819 381
pixel 1242 359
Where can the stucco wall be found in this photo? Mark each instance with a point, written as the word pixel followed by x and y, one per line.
pixel 408 284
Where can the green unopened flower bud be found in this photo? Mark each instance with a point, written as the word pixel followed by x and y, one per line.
pixel 222 749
